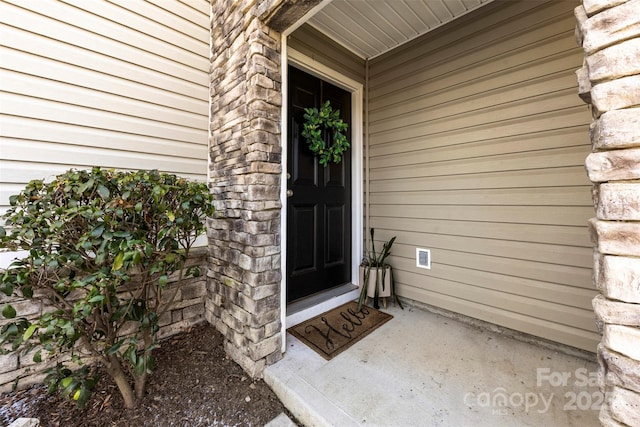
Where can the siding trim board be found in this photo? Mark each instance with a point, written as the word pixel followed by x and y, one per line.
pixel 477 148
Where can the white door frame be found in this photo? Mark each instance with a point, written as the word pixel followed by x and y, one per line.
pixel 311 66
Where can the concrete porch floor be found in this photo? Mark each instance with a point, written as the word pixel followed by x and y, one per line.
pixel 424 369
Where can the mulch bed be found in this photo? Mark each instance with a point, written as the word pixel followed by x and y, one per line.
pixel 195 384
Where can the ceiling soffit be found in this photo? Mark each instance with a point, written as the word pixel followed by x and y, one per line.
pixel 370 28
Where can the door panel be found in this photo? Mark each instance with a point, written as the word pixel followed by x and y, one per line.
pixel 334 241
pixel 304 220
pixel 319 209
pixel 334 176
pixel 304 168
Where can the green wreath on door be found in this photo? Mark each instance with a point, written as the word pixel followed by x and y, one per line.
pixel 319 121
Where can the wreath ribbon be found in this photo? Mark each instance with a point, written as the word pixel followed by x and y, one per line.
pixel 317 123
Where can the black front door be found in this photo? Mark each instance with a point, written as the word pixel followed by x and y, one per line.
pixel 319 202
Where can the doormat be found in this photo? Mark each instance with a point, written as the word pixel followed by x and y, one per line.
pixel 331 333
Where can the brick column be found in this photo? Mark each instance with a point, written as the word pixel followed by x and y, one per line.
pixel 609 32
pixel 243 299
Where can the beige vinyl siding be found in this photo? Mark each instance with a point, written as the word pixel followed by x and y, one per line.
pixel 120 84
pixel 477 145
pixel 314 44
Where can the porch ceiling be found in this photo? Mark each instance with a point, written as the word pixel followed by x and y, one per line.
pixel 372 27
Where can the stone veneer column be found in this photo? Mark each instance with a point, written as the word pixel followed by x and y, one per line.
pixel 245 165
pixel 609 32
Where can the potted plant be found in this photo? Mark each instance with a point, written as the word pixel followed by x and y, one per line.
pixel 376 276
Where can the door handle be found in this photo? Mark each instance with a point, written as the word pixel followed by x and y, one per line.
pixel 289 193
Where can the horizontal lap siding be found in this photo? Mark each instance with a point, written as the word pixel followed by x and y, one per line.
pixel 118 84
pixel 477 145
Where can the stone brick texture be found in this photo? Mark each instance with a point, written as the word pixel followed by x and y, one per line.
pixel 187 309
pixel 609 33
pixel 243 287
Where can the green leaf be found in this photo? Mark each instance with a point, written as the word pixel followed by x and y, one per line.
pixel 83 396
pixel 66 382
pixel 27 291
pixel 114 348
pixel 162 280
pixel 97 298
pixel 37 358
pixel 8 312
pixel 70 331
pixel 6 288
pixel 171 216
pixel 9 330
pixel 103 191
pixel 29 332
pixel 118 261
pixel 100 257
pixel 97 232
pixel 86 185
pixel 139 369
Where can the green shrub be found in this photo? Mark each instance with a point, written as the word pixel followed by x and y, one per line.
pixel 101 246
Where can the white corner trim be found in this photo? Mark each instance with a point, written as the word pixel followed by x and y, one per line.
pixel 310 65
pixel 283 192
